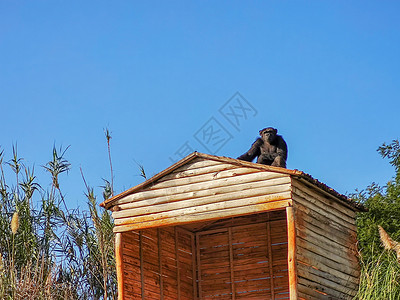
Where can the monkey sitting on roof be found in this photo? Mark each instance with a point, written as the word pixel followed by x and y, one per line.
pixel 271 149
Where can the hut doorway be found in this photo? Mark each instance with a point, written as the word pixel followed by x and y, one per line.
pixel 244 261
pixel 236 258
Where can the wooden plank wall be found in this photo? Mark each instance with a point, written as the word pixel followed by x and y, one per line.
pixel 243 262
pixel 158 264
pixel 202 190
pixel 327 264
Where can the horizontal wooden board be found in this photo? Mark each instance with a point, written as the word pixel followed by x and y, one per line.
pixel 326 262
pixel 160 186
pixel 322 201
pixel 307 292
pixel 310 223
pixel 316 217
pixel 213 204
pixel 326 241
pixel 237 221
pixel 333 244
pixel 327 279
pixel 323 290
pixel 206 215
pixel 194 198
pixel 206 195
pixel 196 163
pixel 188 187
pixel 189 171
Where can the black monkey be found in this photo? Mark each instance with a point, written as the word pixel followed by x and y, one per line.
pixel 271 149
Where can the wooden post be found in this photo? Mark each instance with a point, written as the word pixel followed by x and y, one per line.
pixel 119 265
pixel 291 226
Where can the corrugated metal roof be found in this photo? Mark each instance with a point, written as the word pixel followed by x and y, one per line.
pixel 295 173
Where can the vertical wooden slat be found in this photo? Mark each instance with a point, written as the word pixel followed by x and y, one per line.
pixel 141 262
pixel 193 266
pixel 119 265
pixel 178 272
pixel 270 263
pixel 160 269
pixel 292 252
pixel 231 264
pixel 198 265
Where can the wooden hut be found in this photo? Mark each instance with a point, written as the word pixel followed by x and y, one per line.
pixel 212 227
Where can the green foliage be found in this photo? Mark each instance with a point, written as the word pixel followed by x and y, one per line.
pixel 380 276
pixel 383 204
pixel 392 151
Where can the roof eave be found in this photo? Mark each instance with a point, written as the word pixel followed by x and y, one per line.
pixel 109 202
pixel 346 201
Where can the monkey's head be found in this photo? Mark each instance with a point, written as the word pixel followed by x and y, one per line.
pixel 268 134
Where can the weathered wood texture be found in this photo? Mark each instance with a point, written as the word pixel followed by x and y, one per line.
pixel 292 259
pixel 244 262
pixel 159 264
pixel 202 190
pixel 327 264
pixel 119 265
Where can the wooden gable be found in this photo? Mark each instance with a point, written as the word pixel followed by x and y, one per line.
pixel 202 190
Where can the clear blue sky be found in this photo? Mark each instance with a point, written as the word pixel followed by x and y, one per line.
pixel 325 73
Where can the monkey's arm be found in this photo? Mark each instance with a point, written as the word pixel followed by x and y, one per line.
pixel 253 152
pixel 282 148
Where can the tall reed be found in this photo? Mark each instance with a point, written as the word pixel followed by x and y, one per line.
pixel 380 278
pixel 48 251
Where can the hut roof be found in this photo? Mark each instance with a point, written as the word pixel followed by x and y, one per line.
pixel 294 173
